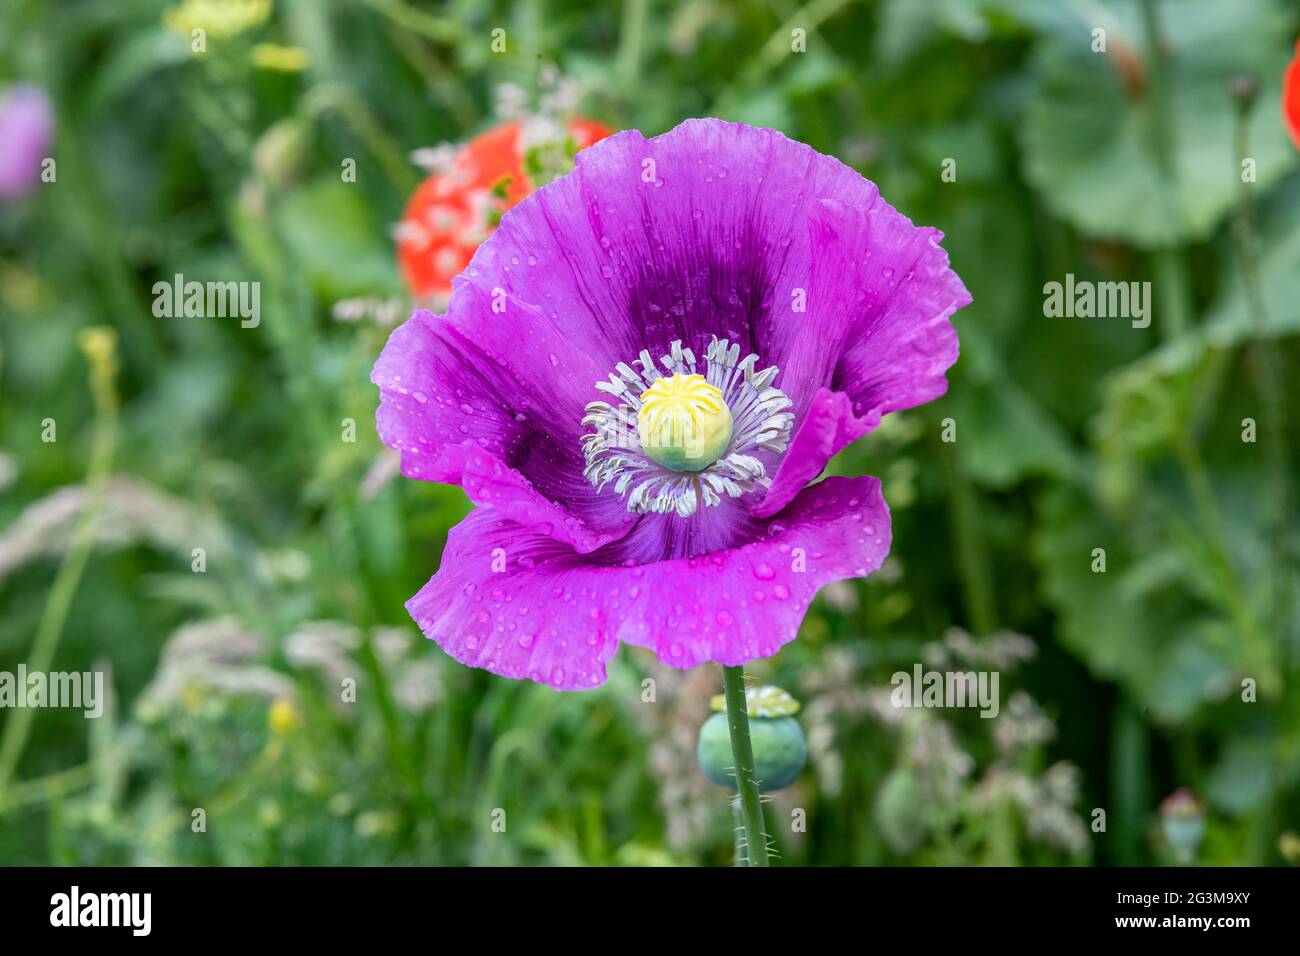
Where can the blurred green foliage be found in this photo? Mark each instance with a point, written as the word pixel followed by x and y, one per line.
pixel 1071 435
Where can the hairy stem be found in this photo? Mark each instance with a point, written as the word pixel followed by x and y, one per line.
pixel 742 755
pixel 1264 360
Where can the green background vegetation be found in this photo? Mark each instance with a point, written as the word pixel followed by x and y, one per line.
pixel 1072 434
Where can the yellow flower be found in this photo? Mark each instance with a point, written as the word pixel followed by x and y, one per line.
pixel 218 18
pixel 99 344
pixel 21 290
pixel 1288 845
pixel 286 59
pixel 283 716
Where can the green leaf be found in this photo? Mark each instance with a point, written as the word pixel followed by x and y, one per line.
pixel 336 241
pixel 1089 131
pixel 130 63
pixel 1005 435
pixel 1231 320
pixel 908 25
pixel 1244 778
pixel 1128 624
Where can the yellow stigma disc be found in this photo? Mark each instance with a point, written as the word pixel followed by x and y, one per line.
pixel 684 423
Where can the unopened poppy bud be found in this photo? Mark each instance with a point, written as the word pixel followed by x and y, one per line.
pixel 1243 88
pixel 901 811
pixel 1182 817
pixel 780 750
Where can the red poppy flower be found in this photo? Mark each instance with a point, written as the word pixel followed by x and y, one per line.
pixel 1291 96
pixel 452 212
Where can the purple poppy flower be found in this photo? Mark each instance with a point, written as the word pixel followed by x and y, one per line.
pixel 605 388
pixel 25 126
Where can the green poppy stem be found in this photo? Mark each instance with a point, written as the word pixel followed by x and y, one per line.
pixel 738 828
pixel 98 344
pixel 1264 359
pixel 742 754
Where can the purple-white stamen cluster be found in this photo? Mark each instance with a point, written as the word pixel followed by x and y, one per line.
pixel 759 411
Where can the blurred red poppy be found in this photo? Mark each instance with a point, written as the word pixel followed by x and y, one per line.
pixel 452 212
pixel 1291 96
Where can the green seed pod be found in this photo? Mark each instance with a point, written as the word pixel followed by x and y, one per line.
pixel 1182 818
pixel 900 811
pixel 780 751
